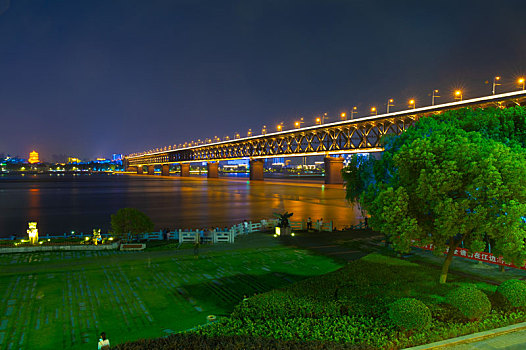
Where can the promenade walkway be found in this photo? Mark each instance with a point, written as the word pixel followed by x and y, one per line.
pixel 510 341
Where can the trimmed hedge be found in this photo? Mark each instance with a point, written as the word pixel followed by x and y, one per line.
pixel 512 294
pixel 410 314
pixel 472 303
pixel 194 341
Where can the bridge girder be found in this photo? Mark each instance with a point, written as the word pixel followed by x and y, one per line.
pixel 352 136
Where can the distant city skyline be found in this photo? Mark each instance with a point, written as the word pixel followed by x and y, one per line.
pixel 102 77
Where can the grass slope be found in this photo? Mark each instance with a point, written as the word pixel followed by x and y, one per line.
pixel 65 299
pixel 349 306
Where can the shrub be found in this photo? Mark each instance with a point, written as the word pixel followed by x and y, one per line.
pixel 410 314
pixel 512 294
pixel 472 303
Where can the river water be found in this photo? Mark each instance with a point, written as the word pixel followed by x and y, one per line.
pixel 65 203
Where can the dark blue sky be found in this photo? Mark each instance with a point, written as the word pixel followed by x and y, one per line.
pixel 91 78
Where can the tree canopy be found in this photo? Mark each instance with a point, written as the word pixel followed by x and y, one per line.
pixel 442 184
pixel 130 221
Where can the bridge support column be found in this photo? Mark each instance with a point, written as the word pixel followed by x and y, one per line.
pixel 165 170
pixel 256 169
pixel 139 170
pixel 185 169
pixel 213 170
pixel 151 169
pixel 333 170
pixel 131 169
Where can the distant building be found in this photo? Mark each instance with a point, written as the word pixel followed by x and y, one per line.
pixel 72 160
pixel 33 158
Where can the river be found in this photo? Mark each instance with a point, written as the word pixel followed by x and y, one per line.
pixel 65 203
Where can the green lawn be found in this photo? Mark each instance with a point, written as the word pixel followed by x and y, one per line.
pixel 350 306
pixel 65 299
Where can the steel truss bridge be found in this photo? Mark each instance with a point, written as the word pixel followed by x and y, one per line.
pixel 361 135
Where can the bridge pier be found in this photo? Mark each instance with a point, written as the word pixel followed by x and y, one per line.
pixel 333 170
pixel 185 169
pixel 131 169
pixel 139 170
pixel 256 170
pixel 151 169
pixel 213 170
pixel 165 170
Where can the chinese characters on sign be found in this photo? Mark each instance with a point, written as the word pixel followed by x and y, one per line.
pixel 479 256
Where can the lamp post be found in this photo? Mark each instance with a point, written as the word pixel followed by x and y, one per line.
pixel 298 123
pixel 264 130
pixel 458 95
pixel 321 120
pixel 521 81
pixel 374 111
pixel 353 111
pixel 249 133
pixel 280 127
pixel 412 103
pixel 389 104
pixel 495 79
pixel 433 96
pixel 343 116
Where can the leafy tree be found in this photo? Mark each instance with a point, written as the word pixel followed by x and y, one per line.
pixel 439 184
pixel 357 176
pixel 130 221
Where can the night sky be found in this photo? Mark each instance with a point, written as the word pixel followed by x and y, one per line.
pixel 92 78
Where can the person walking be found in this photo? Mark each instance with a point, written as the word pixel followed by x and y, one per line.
pixel 196 246
pixel 104 343
pixel 309 224
pixel 245 226
pixel 321 225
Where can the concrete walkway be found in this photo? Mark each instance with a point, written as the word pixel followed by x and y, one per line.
pixel 510 341
pixel 506 338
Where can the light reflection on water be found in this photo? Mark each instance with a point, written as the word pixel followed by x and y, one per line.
pixel 81 203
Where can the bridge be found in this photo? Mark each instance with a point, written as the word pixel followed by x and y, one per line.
pixel 360 135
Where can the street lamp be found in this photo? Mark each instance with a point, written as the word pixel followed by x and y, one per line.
pixel 521 81
pixel 237 136
pixel 458 95
pixel 354 110
pixel 264 130
pixel 433 96
pixel 280 127
pixel 495 79
pixel 297 124
pixel 249 133
pixel 373 110
pixel 343 116
pixel 412 103
pixel 389 104
pixel 318 121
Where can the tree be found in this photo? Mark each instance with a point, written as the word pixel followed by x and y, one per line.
pixel 130 221
pixel 439 184
pixel 357 176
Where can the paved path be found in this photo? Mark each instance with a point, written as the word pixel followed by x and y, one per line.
pixel 510 341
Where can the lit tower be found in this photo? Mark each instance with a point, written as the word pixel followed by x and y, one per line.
pixel 33 157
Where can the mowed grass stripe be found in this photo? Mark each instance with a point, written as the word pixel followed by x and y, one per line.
pixel 65 300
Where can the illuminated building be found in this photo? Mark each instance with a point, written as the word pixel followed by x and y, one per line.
pixel 33 157
pixel 73 160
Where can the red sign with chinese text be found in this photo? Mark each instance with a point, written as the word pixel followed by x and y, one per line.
pixel 479 256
